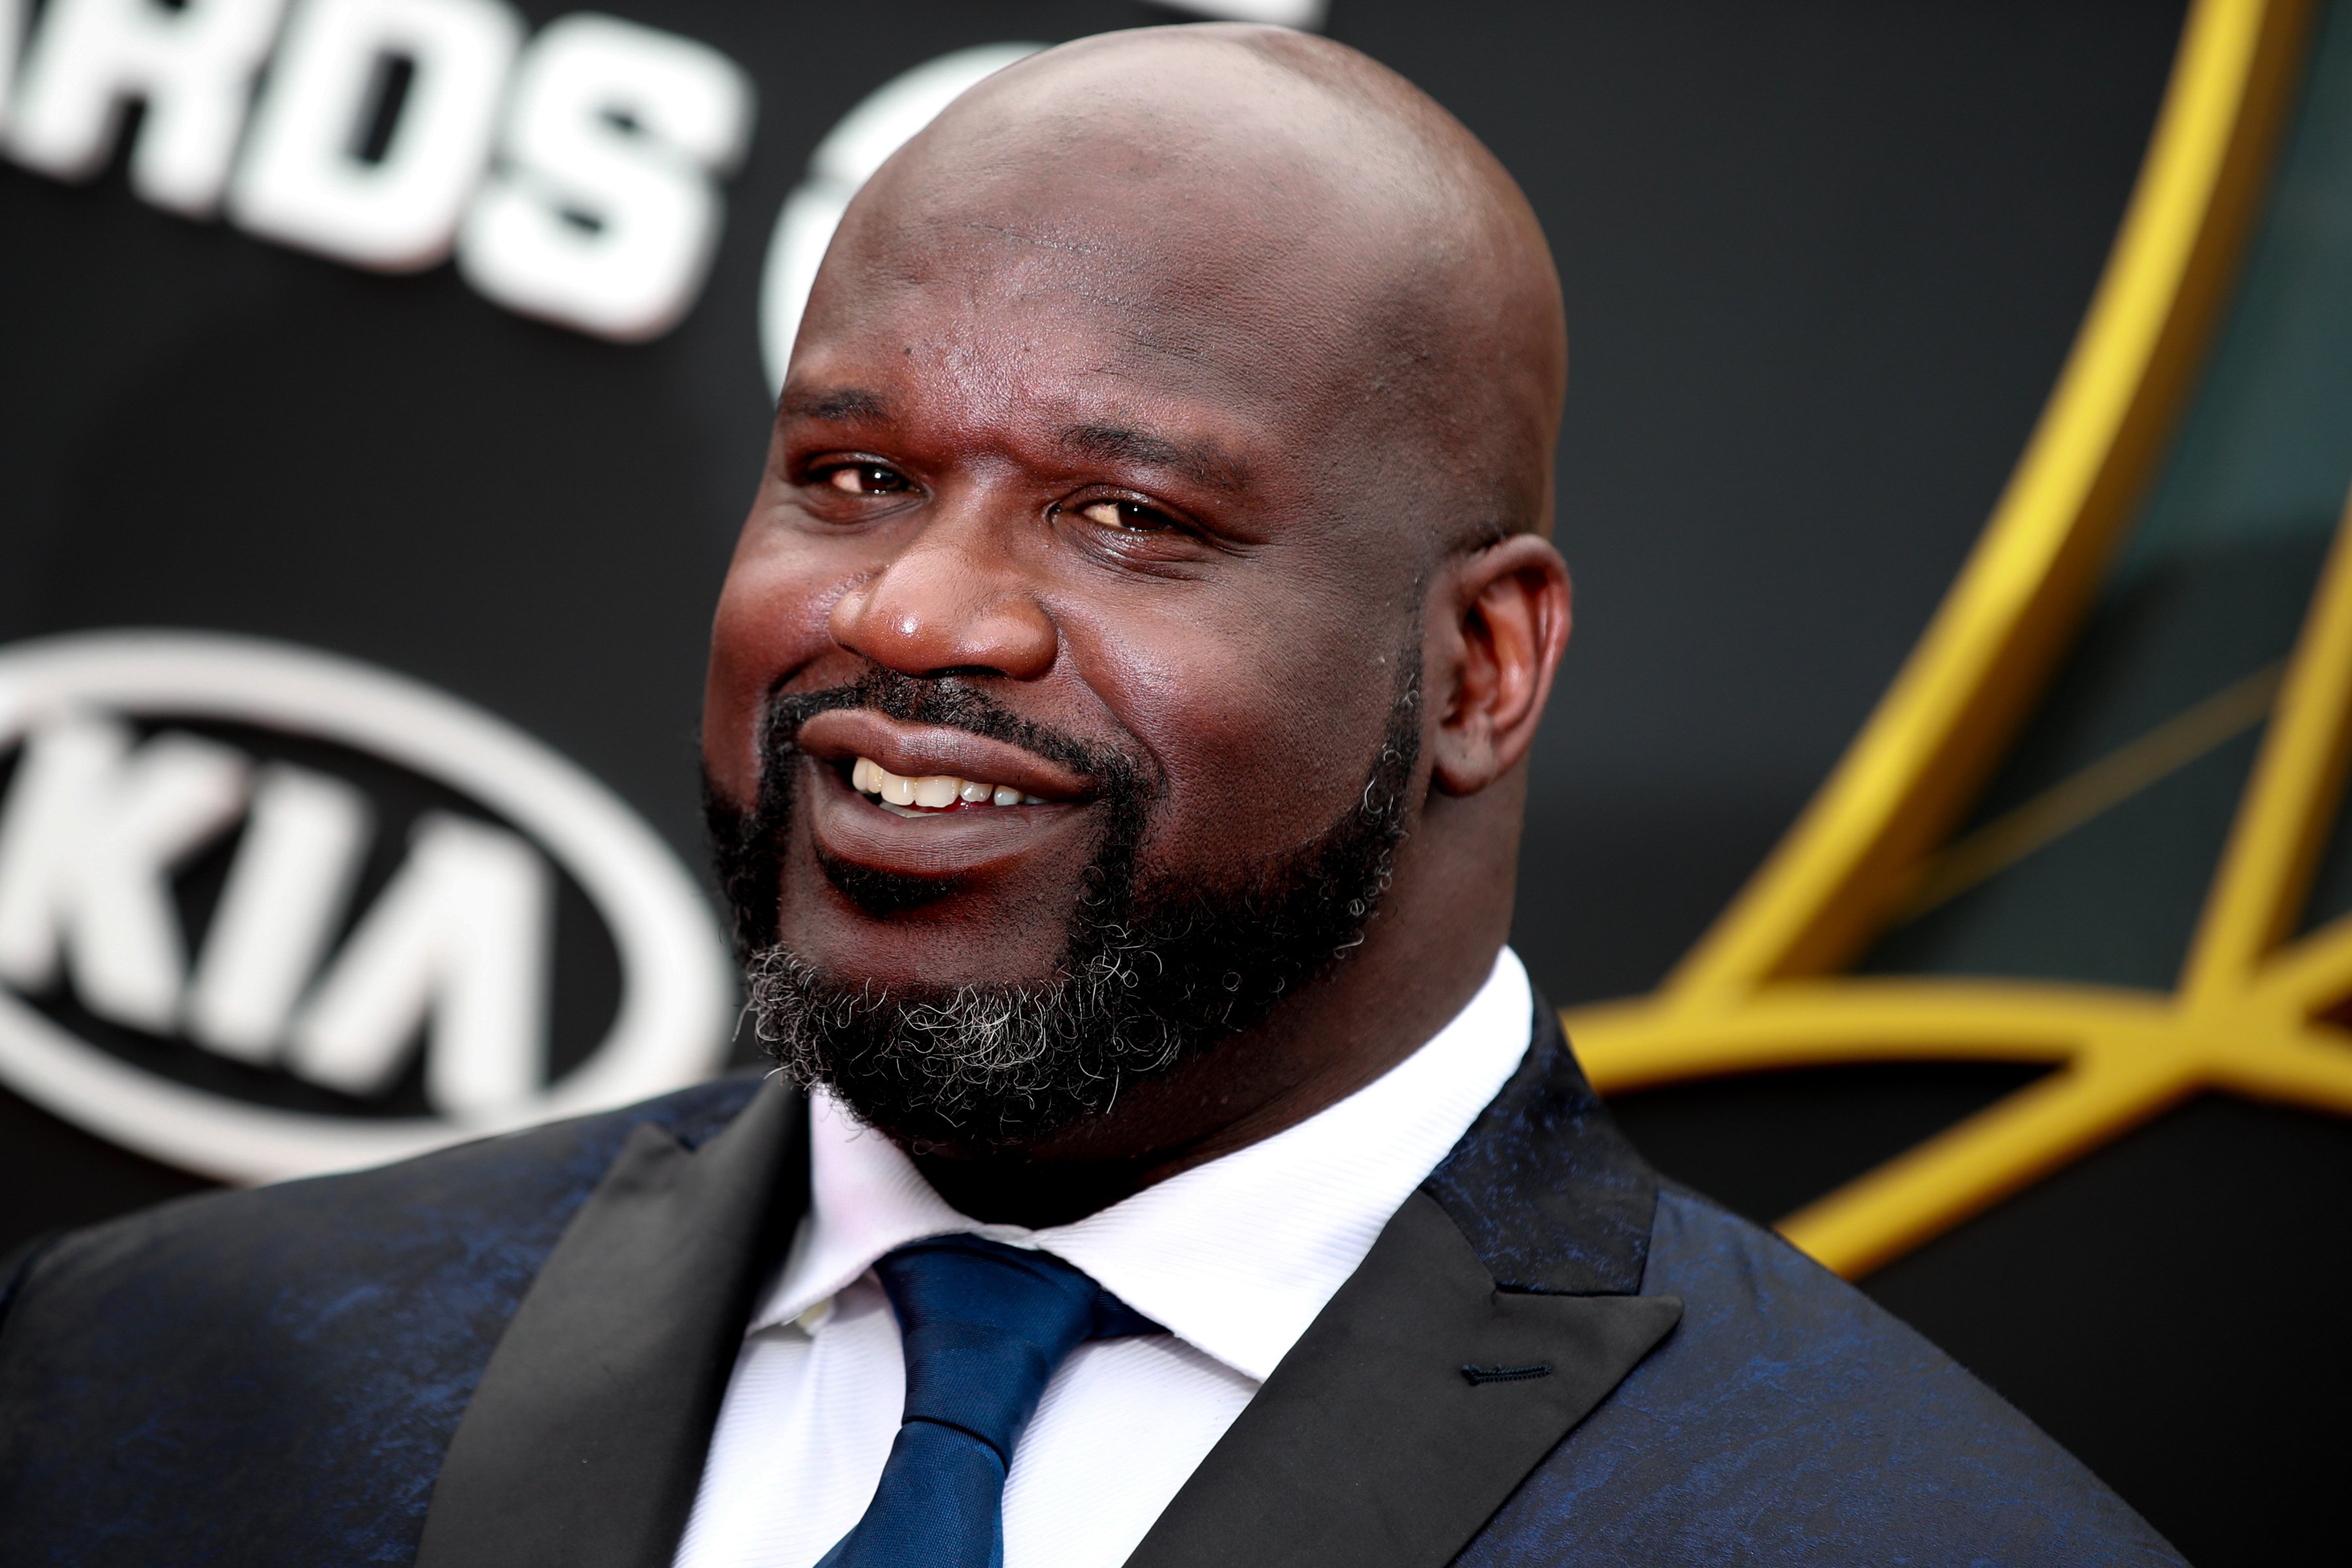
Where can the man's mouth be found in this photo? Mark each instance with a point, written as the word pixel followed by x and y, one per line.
pixel 931 794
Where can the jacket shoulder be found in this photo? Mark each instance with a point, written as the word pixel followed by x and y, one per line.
pixel 275 1374
pixel 1788 1418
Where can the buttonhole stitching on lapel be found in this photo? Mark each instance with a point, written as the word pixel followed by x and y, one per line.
pixel 1475 1375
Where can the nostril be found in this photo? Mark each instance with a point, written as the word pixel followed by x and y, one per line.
pixel 937 614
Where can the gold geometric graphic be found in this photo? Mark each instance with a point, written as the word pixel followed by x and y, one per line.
pixel 2248 1018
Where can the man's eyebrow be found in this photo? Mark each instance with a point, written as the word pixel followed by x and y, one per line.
pixel 1195 460
pixel 834 403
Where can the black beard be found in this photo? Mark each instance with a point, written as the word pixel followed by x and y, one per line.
pixel 1153 972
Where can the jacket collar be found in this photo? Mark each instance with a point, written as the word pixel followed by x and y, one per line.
pixel 1496 1309
pixel 1550 1195
pixel 585 1442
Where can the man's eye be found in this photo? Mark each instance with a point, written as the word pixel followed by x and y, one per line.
pixel 866 479
pixel 1128 516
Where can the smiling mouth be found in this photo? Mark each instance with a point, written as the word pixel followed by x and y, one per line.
pixel 932 795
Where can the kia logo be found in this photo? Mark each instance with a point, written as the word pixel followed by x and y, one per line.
pixel 265 912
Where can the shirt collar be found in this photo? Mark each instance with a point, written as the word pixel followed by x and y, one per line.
pixel 1237 1256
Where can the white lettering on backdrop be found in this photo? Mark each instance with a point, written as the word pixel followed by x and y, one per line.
pixel 576 176
pixel 302 180
pixel 194 66
pixel 607 209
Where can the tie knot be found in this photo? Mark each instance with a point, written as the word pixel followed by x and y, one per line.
pixel 985 1325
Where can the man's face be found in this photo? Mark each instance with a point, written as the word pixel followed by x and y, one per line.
pixel 1070 514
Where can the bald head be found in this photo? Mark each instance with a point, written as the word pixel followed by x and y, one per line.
pixel 1158 480
pixel 1284 217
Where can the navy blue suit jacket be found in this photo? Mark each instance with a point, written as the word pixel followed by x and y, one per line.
pixel 510 1354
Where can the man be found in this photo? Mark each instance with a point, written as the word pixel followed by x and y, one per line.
pixel 1117 733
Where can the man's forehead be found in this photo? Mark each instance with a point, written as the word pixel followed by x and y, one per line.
pixel 1221 255
pixel 1120 351
pixel 1125 275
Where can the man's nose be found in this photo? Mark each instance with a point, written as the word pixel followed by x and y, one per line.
pixel 949 600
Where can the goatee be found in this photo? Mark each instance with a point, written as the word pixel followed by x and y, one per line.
pixel 1153 971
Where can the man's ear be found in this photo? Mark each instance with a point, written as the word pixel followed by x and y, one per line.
pixel 1499 622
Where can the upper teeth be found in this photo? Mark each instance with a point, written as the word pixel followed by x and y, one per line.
pixel 935 790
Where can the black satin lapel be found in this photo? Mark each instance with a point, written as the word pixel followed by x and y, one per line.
pixel 1369 1448
pixel 1552 1197
pixel 584 1443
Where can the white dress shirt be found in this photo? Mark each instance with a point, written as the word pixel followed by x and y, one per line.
pixel 1236 1257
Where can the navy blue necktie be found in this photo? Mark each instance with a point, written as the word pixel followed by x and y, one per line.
pixel 985 1325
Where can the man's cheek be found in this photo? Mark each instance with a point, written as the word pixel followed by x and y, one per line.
pixel 1278 744
pixel 1232 807
pixel 769 625
pixel 729 723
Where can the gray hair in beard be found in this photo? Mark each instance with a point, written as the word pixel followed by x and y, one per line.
pixel 1152 972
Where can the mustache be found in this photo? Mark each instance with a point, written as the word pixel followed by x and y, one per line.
pixel 948 701
pixel 746 839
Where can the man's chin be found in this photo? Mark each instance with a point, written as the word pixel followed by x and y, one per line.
pixel 969 1068
pixel 922 959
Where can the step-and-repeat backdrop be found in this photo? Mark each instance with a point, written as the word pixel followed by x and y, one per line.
pixel 381 383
